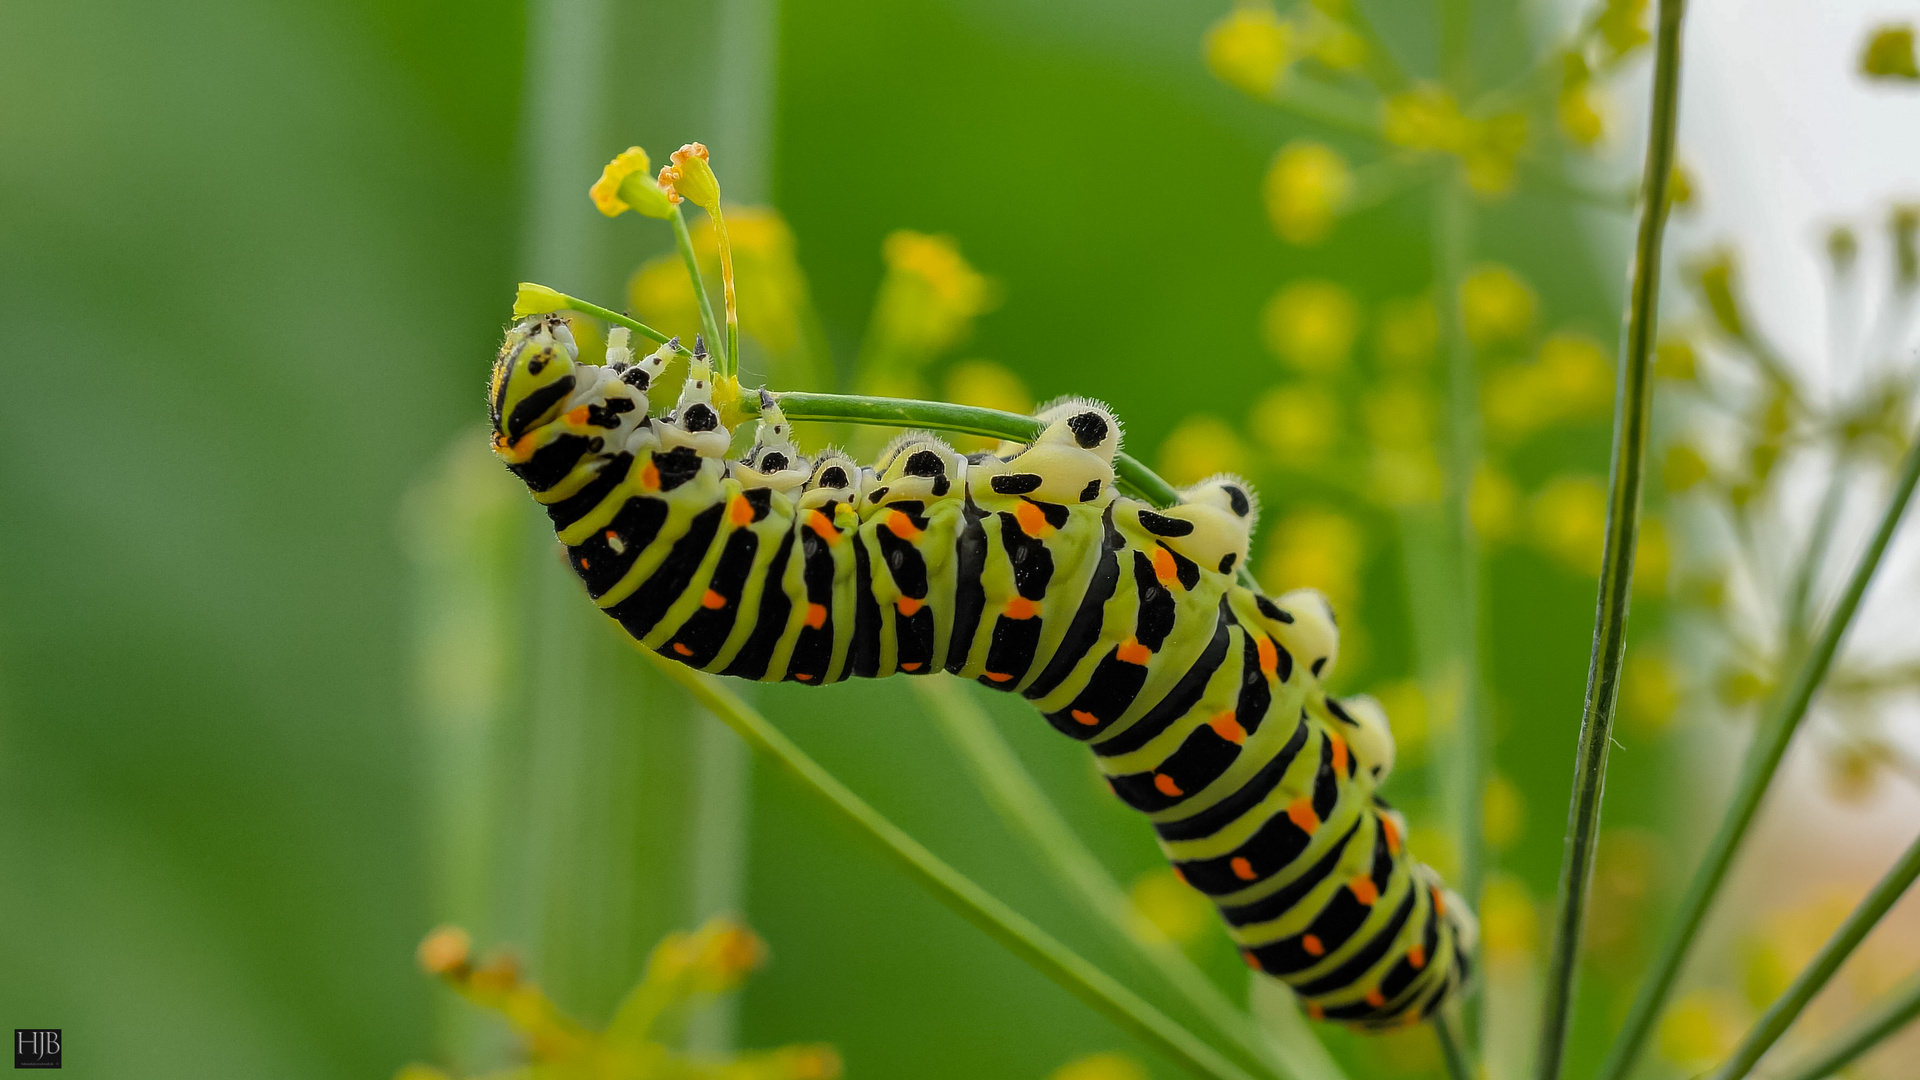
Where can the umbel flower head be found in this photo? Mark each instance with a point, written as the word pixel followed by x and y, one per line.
pixel 627 184
pixel 685 972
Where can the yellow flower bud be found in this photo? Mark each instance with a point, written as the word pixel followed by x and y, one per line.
pixel 1652 692
pixel 1683 468
pixel 1495 306
pixel 1424 118
pixel 534 299
pixel 691 178
pixel 1570 521
pixel 1622 25
pixel 1101 1067
pixel 1315 547
pixel 1509 924
pixel 1407 332
pixel 1889 54
pixel 1700 1029
pixel 445 951
pixel 1169 905
pixel 1199 447
pixel 1716 281
pixel 1503 812
pixel 1299 423
pixel 1305 189
pixel 625 185
pixel 1576 370
pixel 1250 48
pixel 1674 359
pixel 1312 324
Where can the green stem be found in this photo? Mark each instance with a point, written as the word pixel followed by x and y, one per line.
pixel 1810 982
pixel 1793 633
pixel 1890 1014
pixel 1025 809
pixel 1450 1051
pixel 1632 415
pixel 574 303
pixel 1453 228
pixel 726 286
pixel 1762 761
pixel 684 240
pixel 1011 929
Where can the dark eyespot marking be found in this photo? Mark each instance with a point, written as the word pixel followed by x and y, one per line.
pixel 1226 561
pixel 636 377
pixel 1090 492
pixel 926 463
pixel 1164 526
pixel 538 364
pixel 835 477
pixel 876 494
pixel 1340 713
pixel 1272 610
pixel 1238 500
pixel 1318 664
pixel 1015 483
pixel 773 461
pixel 1089 429
pixel 608 414
pixel 699 417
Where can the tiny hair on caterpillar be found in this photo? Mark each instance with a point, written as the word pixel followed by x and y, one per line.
pixel 1025 569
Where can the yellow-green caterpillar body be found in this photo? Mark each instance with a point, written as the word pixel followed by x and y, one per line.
pixel 1023 569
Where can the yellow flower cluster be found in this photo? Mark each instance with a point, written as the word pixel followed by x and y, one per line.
pixel 1312 325
pixel 1319 547
pixel 1250 48
pixel 1496 307
pixel 1428 118
pixel 774 300
pixel 1571 379
pixel 684 972
pixel 927 304
pixel 1198 447
pixel 1306 187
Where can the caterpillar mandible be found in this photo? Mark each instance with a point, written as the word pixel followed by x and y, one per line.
pixel 1026 570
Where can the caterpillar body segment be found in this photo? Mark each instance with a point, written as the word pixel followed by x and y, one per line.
pixel 1022 569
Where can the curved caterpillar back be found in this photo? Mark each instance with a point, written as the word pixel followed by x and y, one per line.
pixel 1022 569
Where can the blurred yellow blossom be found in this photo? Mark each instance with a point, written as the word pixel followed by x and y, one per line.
pixel 1737 685
pixel 773 296
pixel 1496 307
pixel 1199 447
pixel 1170 905
pixel 1406 477
pixel 1683 468
pixel 1493 502
pixel 1717 279
pixel 1675 359
pixel 1399 419
pixel 1318 547
pixel 627 184
pixel 1250 48
pixel 1853 767
pixel 1624 872
pixel 1570 520
pixel 1406 333
pixel 1306 186
pixel 1406 709
pixel 1789 938
pixel 1509 925
pixel 1312 324
pixel 927 304
pixel 987 385
pixel 1652 557
pixel 1298 422
pixel 1682 189
pixel 1107 1066
pixel 1332 42
pixel 1428 118
pixel 1652 691
pixel 1622 25
pixel 1503 811
pixel 1889 54
pixel 1578 107
pixel 1578 372
pixel 1700 1029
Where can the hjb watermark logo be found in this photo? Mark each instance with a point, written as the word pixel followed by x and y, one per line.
pixel 36 1048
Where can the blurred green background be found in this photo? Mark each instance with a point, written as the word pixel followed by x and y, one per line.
pixel 284 682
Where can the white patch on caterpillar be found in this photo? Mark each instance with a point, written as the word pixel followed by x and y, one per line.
pixel 1372 741
pixel 1312 637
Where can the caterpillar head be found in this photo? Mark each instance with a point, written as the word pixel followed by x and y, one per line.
pixel 916 466
pixel 1313 637
pixel 1070 462
pixel 532 377
pixel 773 461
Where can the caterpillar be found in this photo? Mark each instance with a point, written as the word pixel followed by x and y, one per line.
pixel 1024 569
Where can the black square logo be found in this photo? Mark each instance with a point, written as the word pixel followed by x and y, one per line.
pixel 36 1048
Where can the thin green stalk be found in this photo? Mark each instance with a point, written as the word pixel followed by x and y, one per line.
pixel 1020 936
pixel 1887 1017
pixel 1784 1011
pixel 584 307
pixel 684 240
pixel 1450 1051
pixel 1632 416
pixel 1025 809
pixel 1453 240
pixel 1756 772
pixel 726 286
pixel 1793 625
